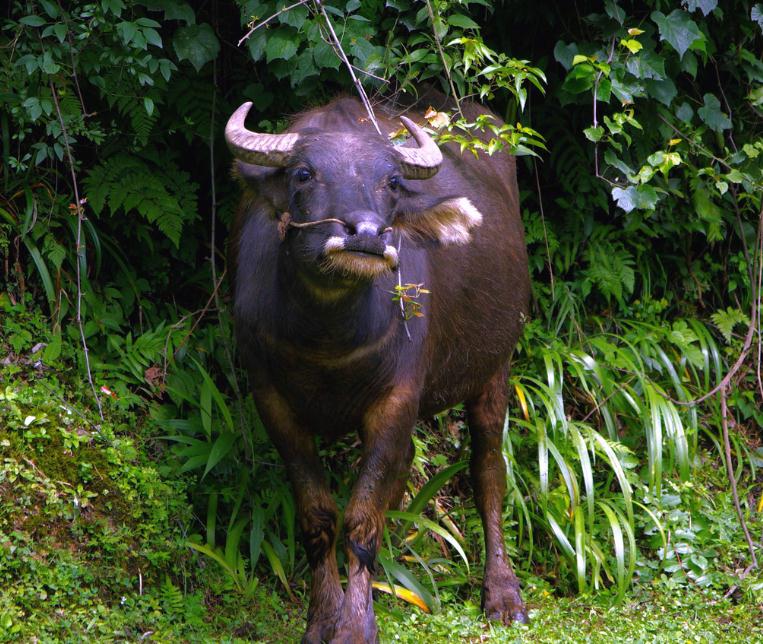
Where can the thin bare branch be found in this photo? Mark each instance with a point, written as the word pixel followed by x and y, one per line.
pixel 545 232
pixel 80 248
pixel 732 478
pixel 267 20
pixel 337 44
pixel 444 62
pixel 595 115
pixel 751 330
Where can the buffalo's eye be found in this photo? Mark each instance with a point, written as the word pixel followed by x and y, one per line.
pixel 303 175
pixel 394 182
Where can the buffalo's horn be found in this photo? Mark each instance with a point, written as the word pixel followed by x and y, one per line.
pixel 272 150
pixel 422 162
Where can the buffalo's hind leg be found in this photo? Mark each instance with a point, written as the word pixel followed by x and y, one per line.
pixel 501 599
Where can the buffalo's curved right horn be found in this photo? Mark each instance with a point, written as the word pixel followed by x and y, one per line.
pixel 422 162
pixel 272 150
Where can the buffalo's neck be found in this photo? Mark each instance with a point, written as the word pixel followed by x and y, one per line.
pixel 334 316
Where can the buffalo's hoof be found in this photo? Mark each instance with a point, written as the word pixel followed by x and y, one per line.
pixel 501 601
pixel 319 631
pixel 359 631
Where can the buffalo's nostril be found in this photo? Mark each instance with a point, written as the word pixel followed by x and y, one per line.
pixel 367 228
pixel 349 228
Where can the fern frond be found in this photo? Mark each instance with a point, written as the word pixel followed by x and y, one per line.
pixel 159 192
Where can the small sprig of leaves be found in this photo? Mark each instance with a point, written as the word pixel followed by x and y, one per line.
pixel 515 139
pixel 408 296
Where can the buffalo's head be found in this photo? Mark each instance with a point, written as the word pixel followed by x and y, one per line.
pixel 346 195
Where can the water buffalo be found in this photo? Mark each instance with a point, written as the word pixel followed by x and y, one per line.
pixel 333 217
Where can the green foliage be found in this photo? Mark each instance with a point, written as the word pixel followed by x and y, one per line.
pixel 154 188
pixel 644 138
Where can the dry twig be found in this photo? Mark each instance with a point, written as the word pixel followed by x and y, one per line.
pixel 80 248
pixel 257 25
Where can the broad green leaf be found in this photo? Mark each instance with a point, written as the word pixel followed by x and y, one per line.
pixel 256 44
pixel 646 65
pixel 53 350
pixel 594 134
pixel 325 56
pixel 197 44
pixel 205 407
pixel 232 542
pixel 50 8
pixel 614 11
pixel 678 29
pixel 49 66
pixel 33 21
pixel 625 89
pixel 616 162
pixel 580 78
pixel 60 29
pixel 460 20
pixel 295 17
pixel 305 67
pixel 433 486
pixel 579 58
pixel 632 45
pixel 756 15
pixel 179 11
pixel 127 30
pixel 712 115
pixel 114 6
pixel 604 90
pixel 685 112
pixel 689 64
pixel 642 197
pixel 705 6
pixel 709 212
pixel 564 53
pixel 281 45
pixel 664 90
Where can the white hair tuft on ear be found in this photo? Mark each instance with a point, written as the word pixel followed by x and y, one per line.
pixel 449 222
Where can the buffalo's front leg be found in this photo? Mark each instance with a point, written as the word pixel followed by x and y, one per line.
pixel 317 514
pixel 386 458
pixel 501 600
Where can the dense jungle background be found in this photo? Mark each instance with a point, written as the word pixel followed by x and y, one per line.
pixel 139 495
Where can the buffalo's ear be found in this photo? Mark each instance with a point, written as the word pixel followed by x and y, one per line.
pixel 266 183
pixel 445 220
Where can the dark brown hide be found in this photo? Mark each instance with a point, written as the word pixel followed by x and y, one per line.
pixel 328 352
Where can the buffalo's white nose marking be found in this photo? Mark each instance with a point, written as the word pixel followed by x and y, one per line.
pixel 366 228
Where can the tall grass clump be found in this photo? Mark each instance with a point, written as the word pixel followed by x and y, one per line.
pixel 599 424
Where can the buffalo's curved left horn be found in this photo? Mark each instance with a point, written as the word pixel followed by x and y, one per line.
pixel 272 150
pixel 422 162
